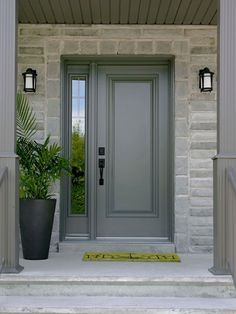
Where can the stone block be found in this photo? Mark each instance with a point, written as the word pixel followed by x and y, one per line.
pixel 181 89
pixel 53 88
pixel 202 240
pixel 70 47
pixel 120 32
pixel 31 60
pixel 88 47
pixel 126 47
pixel 201 212
pixel 203 96
pixel 181 224
pixel 40 125
pixel 201 163
pixel 203 50
pixel 39 135
pixel 53 126
pixel 202 192
pixel 53 46
pixel 181 108
pixel 201 249
pixel 108 47
pixel 39 115
pixel 53 70
pixel 31 51
pixel 201 201
pixel 202 60
pixel 181 165
pixel 181 128
pixel 203 135
pixel 53 57
pixel 202 231
pixel 162 47
pixel 31 41
pixel 144 47
pixel 181 70
pixel 203 126
pixel 81 31
pixel 181 205
pixel 197 105
pixel 163 33
pixel 210 31
pixel 180 47
pixel 56 222
pixel 201 182
pixel 53 108
pixel 202 153
pixel 203 145
pixel 201 221
pixel 201 173
pixel 40 31
pixel 181 185
pixel 203 116
pixel 203 41
pixel 181 146
pixel 181 242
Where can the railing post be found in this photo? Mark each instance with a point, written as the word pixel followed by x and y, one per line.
pixel 226 135
pixel 8 158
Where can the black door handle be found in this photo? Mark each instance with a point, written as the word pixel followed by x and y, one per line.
pixel 101 166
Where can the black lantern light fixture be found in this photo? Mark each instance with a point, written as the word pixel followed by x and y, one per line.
pixel 30 80
pixel 206 80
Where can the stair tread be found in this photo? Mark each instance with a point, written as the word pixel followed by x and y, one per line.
pixel 17 303
pixel 18 279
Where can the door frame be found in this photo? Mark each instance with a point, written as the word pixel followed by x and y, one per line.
pixel 93 62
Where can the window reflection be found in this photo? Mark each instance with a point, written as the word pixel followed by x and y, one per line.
pixel 78 106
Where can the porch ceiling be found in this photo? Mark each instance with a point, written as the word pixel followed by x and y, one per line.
pixel 179 12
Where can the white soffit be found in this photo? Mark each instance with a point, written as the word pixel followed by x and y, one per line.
pixel 178 12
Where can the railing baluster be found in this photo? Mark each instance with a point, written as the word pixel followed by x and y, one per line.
pixel 3 216
pixel 231 220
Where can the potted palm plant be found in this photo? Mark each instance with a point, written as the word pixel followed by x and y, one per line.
pixel 41 164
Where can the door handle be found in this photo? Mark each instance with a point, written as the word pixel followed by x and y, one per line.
pixel 101 166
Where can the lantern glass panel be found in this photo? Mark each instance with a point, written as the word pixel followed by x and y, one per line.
pixel 207 81
pixel 29 81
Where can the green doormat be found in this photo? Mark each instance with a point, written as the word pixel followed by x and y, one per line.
pixel 130 257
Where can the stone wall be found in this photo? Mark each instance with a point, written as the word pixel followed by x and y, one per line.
pixel 194 47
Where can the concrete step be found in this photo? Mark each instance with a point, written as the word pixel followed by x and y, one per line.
pixel 112 245
pixel 199 287
pixel 115 305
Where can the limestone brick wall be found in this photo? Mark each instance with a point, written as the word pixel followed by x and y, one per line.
pixel 194 47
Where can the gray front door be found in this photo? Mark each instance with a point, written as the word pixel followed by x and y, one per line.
pixel 133 128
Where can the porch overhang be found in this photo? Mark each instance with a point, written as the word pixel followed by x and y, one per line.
pixel 168 12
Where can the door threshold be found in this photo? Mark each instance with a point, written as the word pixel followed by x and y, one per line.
pixel 117 239
pixel 134 245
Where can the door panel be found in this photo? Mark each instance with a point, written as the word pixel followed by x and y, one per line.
pixel 130 102
pixel 130 181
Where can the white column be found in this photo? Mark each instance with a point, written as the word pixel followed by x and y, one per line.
pixel 226 154
pixel 8 158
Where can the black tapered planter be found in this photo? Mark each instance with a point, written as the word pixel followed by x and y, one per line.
pixel 36 221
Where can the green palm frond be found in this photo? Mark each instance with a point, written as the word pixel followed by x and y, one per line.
pixel 25 118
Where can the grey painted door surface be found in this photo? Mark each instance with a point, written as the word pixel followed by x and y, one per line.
pixel 133 126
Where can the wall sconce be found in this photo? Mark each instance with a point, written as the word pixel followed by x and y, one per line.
pixel 206 80
pixel 30 80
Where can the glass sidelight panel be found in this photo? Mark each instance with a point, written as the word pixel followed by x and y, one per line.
pixel 78 146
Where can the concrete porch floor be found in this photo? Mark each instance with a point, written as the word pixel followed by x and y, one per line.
pixel 71 264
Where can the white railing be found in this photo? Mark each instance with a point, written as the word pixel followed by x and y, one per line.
pixel 231 221
pixel 3 216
